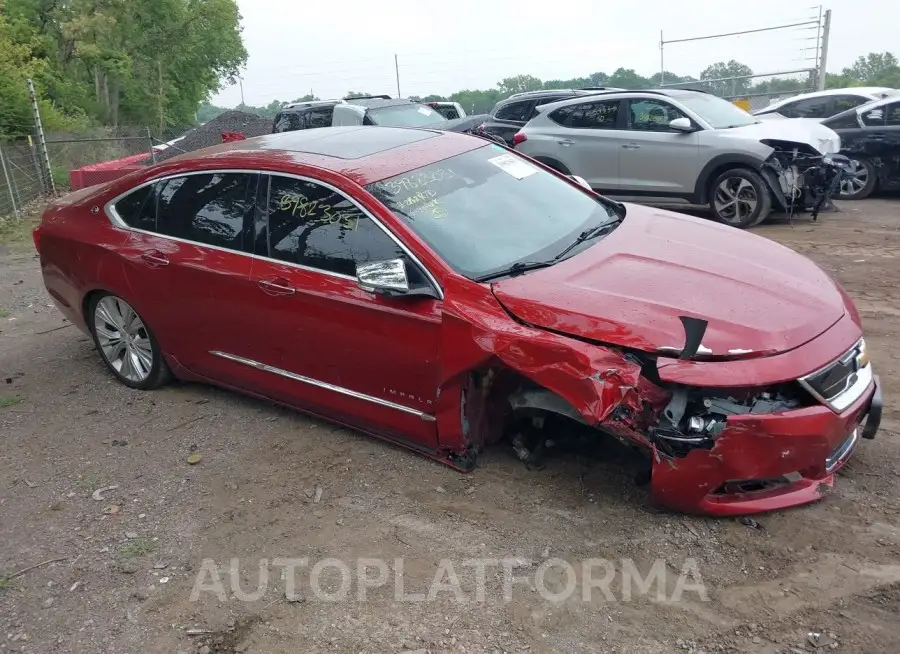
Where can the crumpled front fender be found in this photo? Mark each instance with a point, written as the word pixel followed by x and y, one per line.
pixel 478 335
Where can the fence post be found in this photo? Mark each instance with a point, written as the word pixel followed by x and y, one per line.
pixel 9 186
pixel 150 143
pixel 42 143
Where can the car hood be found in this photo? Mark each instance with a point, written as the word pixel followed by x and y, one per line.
pixel 798 130
pixel 630 288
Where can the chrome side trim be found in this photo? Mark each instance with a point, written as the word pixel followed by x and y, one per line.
pixel 842 452
pixel 320 384
pixel 110 211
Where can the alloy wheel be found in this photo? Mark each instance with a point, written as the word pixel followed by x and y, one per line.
pixel 855 182
pixel 735 199
pixel 123 339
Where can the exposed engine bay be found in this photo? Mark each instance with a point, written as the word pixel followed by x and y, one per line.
pixel 801 178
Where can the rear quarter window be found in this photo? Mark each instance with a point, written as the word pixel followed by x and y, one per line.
pixel 138 208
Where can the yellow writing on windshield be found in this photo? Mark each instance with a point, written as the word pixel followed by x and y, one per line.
pixel 415 181
pixel 316 211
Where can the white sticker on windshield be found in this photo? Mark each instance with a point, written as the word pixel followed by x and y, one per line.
pixel 513 165
pixel 425 111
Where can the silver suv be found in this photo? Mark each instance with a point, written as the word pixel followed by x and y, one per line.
pixel 686 146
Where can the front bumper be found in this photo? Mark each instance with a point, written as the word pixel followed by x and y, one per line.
pixel 767 462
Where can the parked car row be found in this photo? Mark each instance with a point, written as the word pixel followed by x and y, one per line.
pixel 674 145
pixel 446 293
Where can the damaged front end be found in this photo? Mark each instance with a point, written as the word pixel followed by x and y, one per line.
pixel 801 178
pixel 708 447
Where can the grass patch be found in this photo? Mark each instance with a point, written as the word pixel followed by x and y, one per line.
pixel 16 234
pixel 9 400
pixel 5 583
pixel 4 313
pixel 90 482
pixel 136 547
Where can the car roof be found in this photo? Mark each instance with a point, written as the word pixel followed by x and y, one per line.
pixel 375 103
pixel 872 92
pixel 366 154
pixel 578 99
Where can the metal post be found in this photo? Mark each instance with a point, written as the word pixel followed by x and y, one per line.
pixel 823 57
pixel 150 143
pixel 41 141
pixel 397 71
pixel 12 195
pixel 662 65
pixel 162 102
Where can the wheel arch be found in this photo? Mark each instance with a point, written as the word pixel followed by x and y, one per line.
pixel 718 165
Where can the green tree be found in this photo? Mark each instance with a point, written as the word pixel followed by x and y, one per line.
pixel 868 69
pixel 726 72
pixel 626 78
pixel 519 84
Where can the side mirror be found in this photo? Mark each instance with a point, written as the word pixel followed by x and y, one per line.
pixel 681 125
pixel 581 182
pixel 384 277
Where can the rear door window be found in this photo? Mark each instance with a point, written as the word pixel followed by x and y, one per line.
pixel 845 102
pixel 211 209
pixel 809 108
pixel 588 115
pixel 892 114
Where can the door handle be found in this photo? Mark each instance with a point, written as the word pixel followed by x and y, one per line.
pixel 276 286
pixel 631 146
pixel 566 142
pixel 155 259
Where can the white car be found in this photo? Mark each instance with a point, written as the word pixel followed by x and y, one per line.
pixel 820 105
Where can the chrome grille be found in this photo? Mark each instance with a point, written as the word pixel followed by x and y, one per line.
pixel 843 381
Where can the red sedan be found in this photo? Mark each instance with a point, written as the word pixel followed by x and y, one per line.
pixel 435 290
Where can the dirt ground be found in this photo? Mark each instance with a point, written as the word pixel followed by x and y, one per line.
pixel 272 483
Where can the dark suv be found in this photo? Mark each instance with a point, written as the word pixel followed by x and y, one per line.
pixel 510 115
pixel 370 110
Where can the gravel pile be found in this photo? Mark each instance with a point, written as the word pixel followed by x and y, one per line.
pixel 211 133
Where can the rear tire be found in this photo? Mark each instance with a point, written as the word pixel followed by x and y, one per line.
pixel 126 344
pixel 740 197
pixel 860 185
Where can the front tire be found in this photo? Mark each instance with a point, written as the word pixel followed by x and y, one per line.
pixel 859 185
pixel 126 344
pixel 740 198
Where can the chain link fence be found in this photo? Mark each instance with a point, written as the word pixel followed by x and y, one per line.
pixel 21 178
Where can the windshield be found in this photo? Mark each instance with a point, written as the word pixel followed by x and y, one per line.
pixel 719 113
pixel 405 115
pixel 484 210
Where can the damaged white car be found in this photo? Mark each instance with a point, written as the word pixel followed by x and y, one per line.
pixel 687 146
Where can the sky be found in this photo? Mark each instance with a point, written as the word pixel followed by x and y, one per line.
pixel 330 48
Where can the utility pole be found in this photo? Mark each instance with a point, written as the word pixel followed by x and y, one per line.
pixel 162 102
pixel 397 71
pixel 42 142
pixel 662 65
pixel 241 82
pixel 823 56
